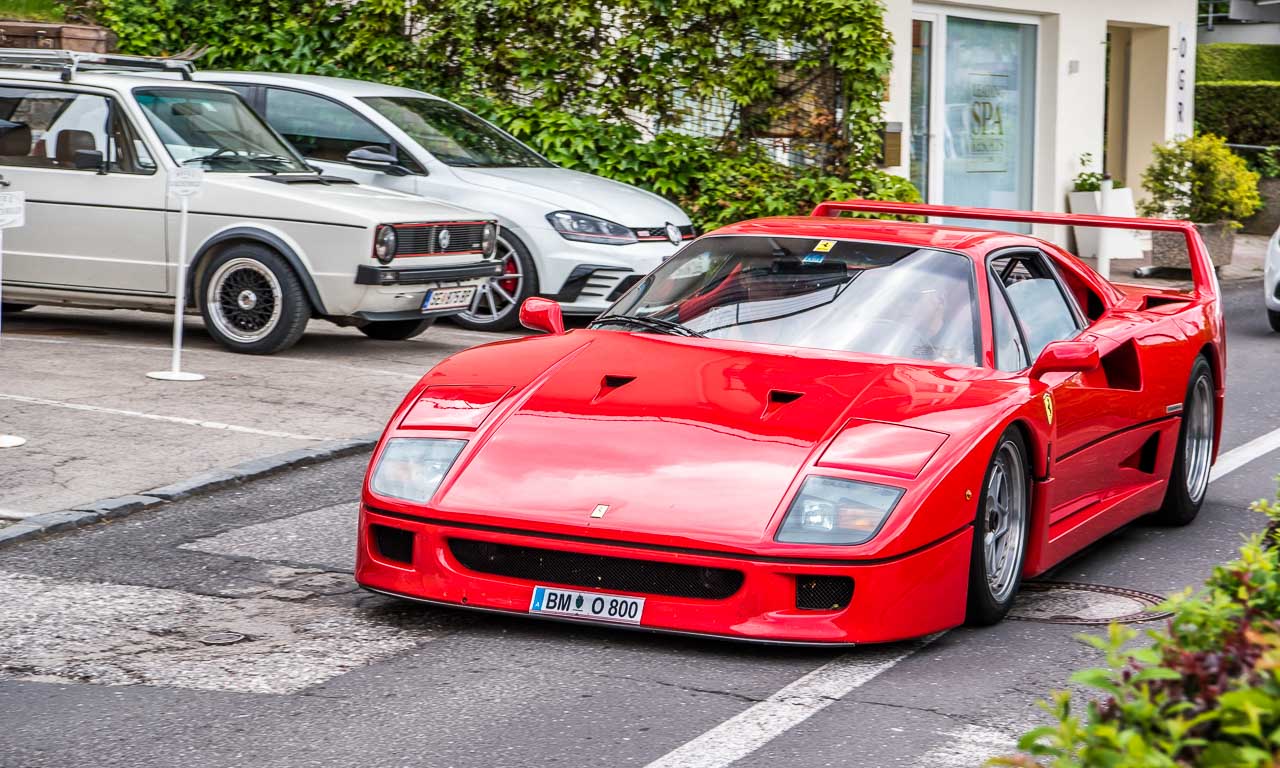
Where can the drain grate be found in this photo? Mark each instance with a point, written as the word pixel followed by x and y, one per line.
pixel 1068 602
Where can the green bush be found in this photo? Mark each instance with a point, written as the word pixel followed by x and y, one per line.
pixel 543 70
pixel 1245 112
pixel 1205 693
pixel 1201 179
pixel 1237 61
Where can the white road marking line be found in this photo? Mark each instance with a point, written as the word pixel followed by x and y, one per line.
pixel 1239 456
pixel 157 417
pixel 971 746
pixel 762 722
pixel 197 350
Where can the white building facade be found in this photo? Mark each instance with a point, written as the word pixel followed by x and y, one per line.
pixel 998 102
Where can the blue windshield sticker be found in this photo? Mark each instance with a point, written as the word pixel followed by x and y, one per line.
pixel 814 258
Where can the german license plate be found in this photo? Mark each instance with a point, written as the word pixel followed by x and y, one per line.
pixel 554 601
pixel 448 298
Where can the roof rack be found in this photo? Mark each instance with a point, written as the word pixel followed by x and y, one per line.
pixel 70 62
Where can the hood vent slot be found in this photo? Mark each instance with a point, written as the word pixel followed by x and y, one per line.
pixel 610 382
pixel 777 399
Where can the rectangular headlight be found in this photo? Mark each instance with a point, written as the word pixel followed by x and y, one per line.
pixel 828 510
pixel 411 468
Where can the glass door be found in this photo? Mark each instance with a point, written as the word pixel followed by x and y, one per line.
pixel 990 123
pixel 921 86
pixel 973 97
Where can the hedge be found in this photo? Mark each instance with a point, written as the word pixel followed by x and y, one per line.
pixel 1244 112
pixel 1237 61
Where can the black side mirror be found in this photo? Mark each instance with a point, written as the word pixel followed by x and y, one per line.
pixel 88 160
pixel 375 158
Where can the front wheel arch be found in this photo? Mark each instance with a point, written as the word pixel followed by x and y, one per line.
pixel 249 235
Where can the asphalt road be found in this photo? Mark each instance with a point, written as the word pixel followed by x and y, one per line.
pixel 106 656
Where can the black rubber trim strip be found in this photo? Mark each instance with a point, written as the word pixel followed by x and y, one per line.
pixel 1064 456
pixel 367 274
pixel 611 624
pixel 660 548
pixel 202 213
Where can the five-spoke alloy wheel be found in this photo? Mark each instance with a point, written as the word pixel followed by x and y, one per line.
pixel 497 303
pixel 1000 532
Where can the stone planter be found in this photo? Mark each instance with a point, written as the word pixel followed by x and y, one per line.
pixel 1169 249
pixel 1267 219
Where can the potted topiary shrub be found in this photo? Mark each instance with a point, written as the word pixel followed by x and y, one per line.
pixel 1200 179
pixel 1086 197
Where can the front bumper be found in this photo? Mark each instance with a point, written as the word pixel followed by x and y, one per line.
pixel 370 275
pixel 910 596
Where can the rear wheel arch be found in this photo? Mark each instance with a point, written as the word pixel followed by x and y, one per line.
pixel 248 235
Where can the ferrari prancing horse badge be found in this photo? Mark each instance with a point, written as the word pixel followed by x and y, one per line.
pixel 1048 407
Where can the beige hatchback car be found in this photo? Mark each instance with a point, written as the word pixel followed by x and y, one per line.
pixel 273 242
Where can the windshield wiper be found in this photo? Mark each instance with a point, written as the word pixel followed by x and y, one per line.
pixel 649 323
pixel 271 163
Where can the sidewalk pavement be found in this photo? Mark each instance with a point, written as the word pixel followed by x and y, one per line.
pixel 1246 264
pixel 73 383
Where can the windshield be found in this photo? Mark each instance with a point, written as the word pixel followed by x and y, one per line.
pixel 455 136
pixel 216 130
pixel 804 292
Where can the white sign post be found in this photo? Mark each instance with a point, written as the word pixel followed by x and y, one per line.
pixel 184 184
pixel 13 209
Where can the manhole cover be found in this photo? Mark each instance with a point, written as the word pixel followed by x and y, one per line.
pixel 222 638
pixel 1065 602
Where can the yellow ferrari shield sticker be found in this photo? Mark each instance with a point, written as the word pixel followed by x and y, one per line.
pixel 824 246
pixel 1048 407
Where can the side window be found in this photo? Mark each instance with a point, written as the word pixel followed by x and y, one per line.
pixel 1010 354
pixel 47 128
pixel 325 130
pixel 1038 301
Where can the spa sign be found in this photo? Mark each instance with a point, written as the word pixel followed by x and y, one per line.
pixel 988 142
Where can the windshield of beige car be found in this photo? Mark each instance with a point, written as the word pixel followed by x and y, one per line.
pixel 878 298
pixel 216 131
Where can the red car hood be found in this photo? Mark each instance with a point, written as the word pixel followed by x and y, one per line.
pixel 681 439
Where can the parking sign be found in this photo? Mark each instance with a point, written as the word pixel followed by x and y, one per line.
pixel 185 181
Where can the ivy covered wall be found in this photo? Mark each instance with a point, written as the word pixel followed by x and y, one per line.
pixel 615 87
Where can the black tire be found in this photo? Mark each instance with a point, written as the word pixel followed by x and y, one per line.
pixel 396 330
pixel 252 301
pixel 479 318
pixel 9 308
pixel 1273 317
pixel 986 606
pixel 1184 494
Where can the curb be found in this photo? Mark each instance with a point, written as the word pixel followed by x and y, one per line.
pixel 204 482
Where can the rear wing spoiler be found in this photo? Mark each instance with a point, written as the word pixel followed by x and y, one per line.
pixel 1204 279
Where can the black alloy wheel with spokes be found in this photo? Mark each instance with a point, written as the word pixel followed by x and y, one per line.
pixel 251 300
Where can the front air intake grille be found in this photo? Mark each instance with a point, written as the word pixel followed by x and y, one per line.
pixel 393 543
pixel 430 240
pixel 596 571
pixel 823 593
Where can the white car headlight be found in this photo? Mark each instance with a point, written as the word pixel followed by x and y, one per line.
pixel 411 468
pixel 829 510
pixel 384 244
pixel 590 229
pixel 489 240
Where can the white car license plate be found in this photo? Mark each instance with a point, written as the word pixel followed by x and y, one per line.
pixel 587 605
pixel 448 298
